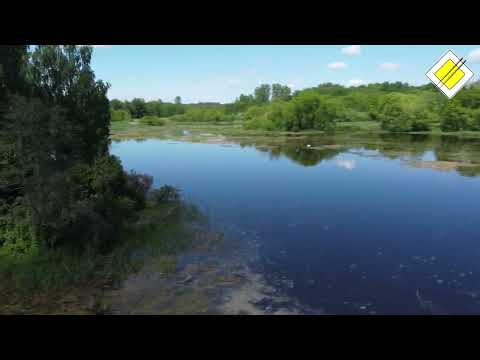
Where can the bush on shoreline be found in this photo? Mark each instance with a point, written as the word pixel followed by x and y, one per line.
pixel 120 115
pixel 152 121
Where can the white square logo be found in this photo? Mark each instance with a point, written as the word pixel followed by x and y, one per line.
pixel 450 74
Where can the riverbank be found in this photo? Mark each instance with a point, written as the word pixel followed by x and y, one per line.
pixel 204 132
pixel 59 282
pixel 179 278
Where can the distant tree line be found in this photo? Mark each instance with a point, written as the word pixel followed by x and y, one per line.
pixel 139 108
pixel 397 107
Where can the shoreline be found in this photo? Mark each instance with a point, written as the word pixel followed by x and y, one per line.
pixel 198 131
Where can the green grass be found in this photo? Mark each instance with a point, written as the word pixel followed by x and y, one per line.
pixel 371 126
pixel 198 132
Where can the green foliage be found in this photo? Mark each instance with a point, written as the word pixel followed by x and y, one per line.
pixel 63 190
pixel 397 107
pixel 306 111
pixel 396 113
pixel 469 97
pixel 305 107
pixel 120 115
pixel 454 117
pixel 205 114
pixel 255 118
pixel 402 113
pixel 474 122
pixel 280 92
pixel 61 76
pixel 116 104
pixel 262 94
pixel 312 111
pixel 241 104
pixel 152 121
pixel 166 194
pixel 138 108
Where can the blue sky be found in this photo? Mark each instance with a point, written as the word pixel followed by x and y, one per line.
pixel 219 73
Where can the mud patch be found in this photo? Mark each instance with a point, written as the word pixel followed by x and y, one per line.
pixel 327 147
pixel 440 165
pixel 212 278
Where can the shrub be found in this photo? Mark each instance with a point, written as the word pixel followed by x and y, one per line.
pixel 474 123
pixel 420 125
pixel 305 112
pixel 255 118
pixel 455 117
pixel 85 206
pixel 120 115
pixel 165 194
pixel 312 111
pixel 152 121
pixel 395 114
pixel 205 115
pixel 138 186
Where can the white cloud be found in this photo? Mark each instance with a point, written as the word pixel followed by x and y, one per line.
pixel 474 56
pixel 337 65
pixel 291 86
pixel 347 164
pixel 355 82
pixel 352 50
pixel 389 66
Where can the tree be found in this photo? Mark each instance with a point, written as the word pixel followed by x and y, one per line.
pixel 454 116
pixel 13 60
pixel 262 94
pixel 178 100
pixel 155 108
pixel 395 113
pixel 280 92
pixel 62 76
pixel 138 108
pixel 241 104
pixel 305 107
pixel 56 128
pixel 116 104
pixel 120 115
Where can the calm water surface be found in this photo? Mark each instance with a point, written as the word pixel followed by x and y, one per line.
pixel 354 230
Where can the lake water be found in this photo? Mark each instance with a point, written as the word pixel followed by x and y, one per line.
pixel 354 227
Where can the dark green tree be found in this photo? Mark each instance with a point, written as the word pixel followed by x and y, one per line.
pixel 454 117
pixel 138 108
pixel 262 94
pixel 56 131
pixel 116 104
pixel 280 92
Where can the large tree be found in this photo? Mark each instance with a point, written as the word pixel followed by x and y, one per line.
pixel 12 81
pixel 280 92
pixel 262 94
pixel 138 108
pixel 55 128
pixel 62 76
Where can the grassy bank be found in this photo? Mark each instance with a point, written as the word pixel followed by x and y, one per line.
pixel 196 131
pixel 62 282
